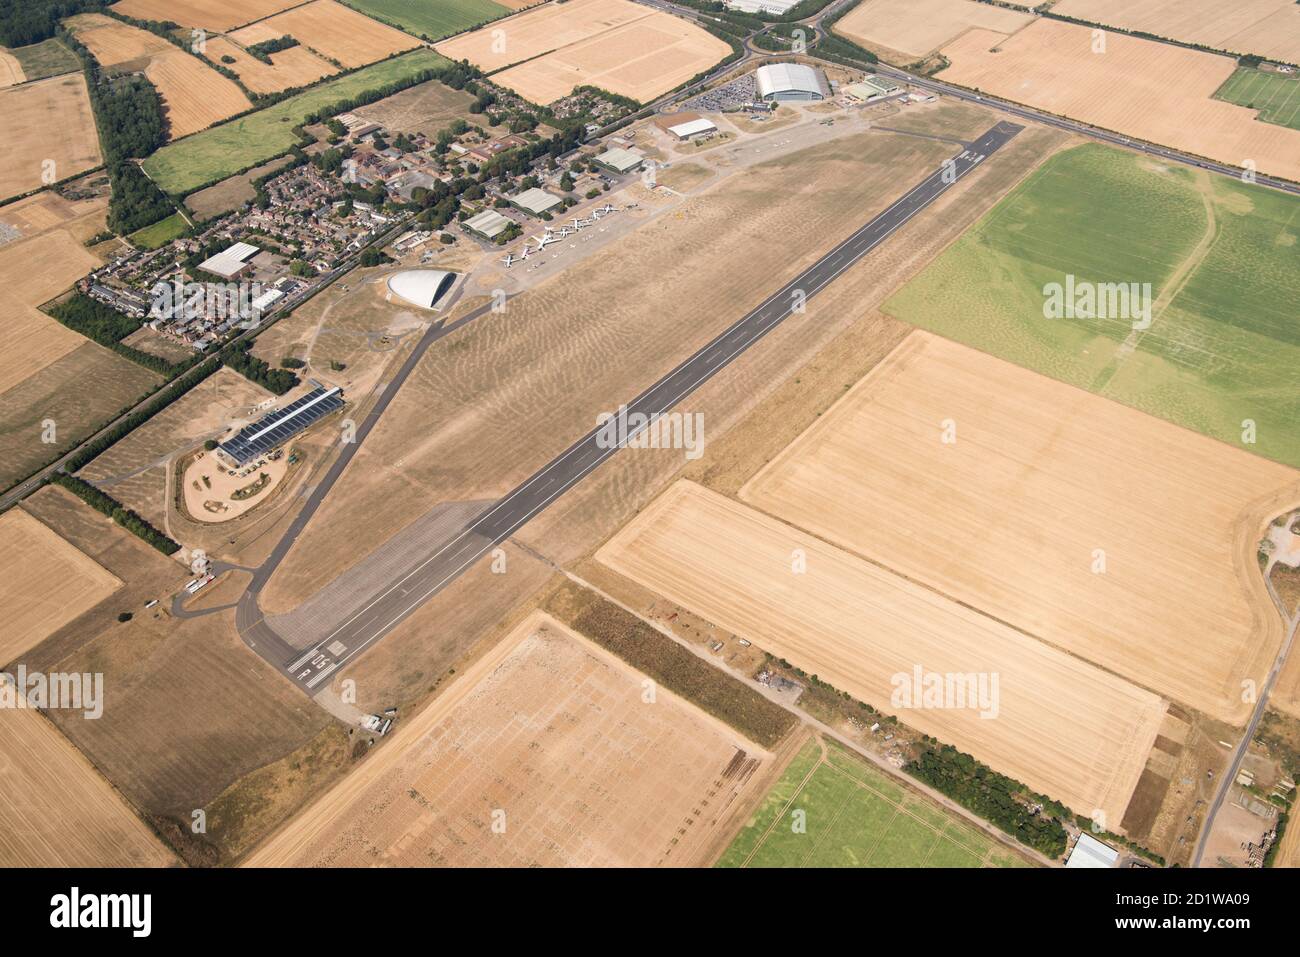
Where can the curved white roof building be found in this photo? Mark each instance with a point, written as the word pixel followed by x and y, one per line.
pixel 790 81
pixel 421 287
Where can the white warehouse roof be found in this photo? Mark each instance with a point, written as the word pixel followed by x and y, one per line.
pixel 789 79
pixel 1090 852
pixel 693 128
pixel 266 300
pixel 230 261
pixel 421 287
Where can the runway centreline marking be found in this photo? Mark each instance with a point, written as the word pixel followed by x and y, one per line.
pixel 1001 132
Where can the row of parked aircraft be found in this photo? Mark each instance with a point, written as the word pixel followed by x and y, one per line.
pixel 554 234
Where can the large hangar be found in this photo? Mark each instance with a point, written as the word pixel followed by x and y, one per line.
pixel 790 81
pixel 425 288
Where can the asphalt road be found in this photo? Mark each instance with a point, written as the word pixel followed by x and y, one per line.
pixel 310 669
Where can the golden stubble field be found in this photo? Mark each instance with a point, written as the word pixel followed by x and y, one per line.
pixel 1142 88
pixel 11 71
pixel 614 44
pixel 1059 724
pixel 1270 28
pixel 57 809
pixel 1044 484
pixel 203 13
pixel 33 271
pixel 578 344
pixel 294 67
pixel 45 582
pixel 194 95
pixel 640 60
pixel 919 27
pixel 48 373
pixel 331 30
pixel 547 752
pixel 188 708
pixel 38 152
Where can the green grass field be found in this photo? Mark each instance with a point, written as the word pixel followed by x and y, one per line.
pixel 163 231
pixel 47 58
pixel 856 817
pixel 223 150
pixel 1221 256
pixel 432 19
pixel 1275 95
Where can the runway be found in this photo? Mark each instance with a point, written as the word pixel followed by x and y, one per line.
pixel 310 669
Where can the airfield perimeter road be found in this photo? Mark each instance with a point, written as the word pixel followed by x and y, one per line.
pixel 310 668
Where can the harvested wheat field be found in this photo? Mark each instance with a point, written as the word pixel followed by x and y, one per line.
pixel 45 582
pixel 194 95
pixel 225 15
pixel 47 210
pixel 919 27
pixel 543 753
pixel 11 71
pixel 70 146
pixel 614 44
pixel 1008 517
pixel 58 811
pixel 294 67
pixel 32 272
pixel 1059 725
pixel 332 31
pixel 1153 91
pixel 640 60
pixel 542 29
pixel 1269 28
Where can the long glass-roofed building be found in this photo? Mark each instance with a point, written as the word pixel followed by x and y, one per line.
pixel 272 431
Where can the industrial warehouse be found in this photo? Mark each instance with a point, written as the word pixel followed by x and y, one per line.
pixel 272 431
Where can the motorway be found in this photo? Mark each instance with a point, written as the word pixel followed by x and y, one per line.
pixel 311 668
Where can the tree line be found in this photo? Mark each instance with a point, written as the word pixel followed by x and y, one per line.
pixel 238 357
pixel 104 324
pixel 129 116
pixel 993 796
pixel 133 522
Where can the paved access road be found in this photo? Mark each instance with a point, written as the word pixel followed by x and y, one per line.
pixel 310 669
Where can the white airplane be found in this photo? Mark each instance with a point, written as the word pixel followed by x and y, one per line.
pixel 509 260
